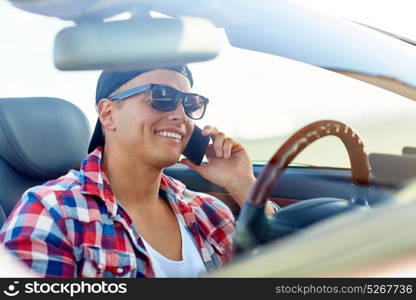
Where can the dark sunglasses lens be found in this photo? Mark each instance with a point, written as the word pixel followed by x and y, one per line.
pixel 194 106
pixel 164 98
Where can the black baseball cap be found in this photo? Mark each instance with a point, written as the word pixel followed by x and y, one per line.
pixel 109 81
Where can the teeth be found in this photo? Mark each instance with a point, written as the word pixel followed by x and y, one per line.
pixel 170 134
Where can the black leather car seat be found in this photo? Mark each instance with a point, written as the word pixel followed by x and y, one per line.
pixel 40 139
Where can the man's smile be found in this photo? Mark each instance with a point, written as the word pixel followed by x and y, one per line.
pixel 171 133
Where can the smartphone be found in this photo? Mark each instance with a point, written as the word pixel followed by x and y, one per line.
pixel 197 145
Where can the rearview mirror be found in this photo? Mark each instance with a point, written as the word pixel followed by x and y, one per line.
pixel 129 44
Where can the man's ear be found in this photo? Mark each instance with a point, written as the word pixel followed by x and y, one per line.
pixel 105 110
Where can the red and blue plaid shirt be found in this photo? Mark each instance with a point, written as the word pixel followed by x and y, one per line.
pixel 73 226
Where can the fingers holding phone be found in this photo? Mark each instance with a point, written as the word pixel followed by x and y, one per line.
pixel 228 163
pixel 223 145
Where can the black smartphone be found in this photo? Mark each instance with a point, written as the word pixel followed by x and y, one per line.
pixel 197 145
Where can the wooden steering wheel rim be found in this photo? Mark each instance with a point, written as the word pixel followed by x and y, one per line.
pixel 272 172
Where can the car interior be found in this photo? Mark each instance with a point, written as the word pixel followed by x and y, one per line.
pixel 36 128
pixel 33 129
pixel 29 133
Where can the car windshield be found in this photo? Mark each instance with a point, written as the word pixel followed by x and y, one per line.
pixel 259 99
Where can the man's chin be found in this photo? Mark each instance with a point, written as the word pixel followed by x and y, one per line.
pixel 165 162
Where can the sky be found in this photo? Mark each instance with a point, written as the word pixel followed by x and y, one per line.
pixel 300 93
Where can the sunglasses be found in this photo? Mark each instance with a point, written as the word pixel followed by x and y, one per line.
pixel 166 98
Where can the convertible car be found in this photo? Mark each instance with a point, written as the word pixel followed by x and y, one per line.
pixel 323 105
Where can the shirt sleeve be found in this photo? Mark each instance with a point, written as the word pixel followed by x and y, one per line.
pixel 36 236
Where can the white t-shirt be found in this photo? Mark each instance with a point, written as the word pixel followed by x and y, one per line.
pixel 191 264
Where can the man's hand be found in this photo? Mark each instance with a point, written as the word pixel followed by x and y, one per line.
pixel 229 165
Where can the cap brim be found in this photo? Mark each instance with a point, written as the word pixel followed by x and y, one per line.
pixel 97 138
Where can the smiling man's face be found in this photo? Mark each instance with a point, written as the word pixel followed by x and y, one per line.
pixel 139 130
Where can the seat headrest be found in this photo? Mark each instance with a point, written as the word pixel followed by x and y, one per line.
pixel 42 137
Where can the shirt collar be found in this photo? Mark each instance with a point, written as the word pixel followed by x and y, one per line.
pixel 95 182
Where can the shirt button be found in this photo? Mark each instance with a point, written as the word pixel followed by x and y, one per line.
pixel 120 270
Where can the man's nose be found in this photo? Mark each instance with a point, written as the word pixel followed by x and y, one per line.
pixel 178 114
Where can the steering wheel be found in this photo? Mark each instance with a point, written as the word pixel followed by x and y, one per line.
pixel 254 227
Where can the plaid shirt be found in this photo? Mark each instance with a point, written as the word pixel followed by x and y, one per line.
pixel 73 226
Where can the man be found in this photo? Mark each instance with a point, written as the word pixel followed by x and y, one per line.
pixel 120 216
